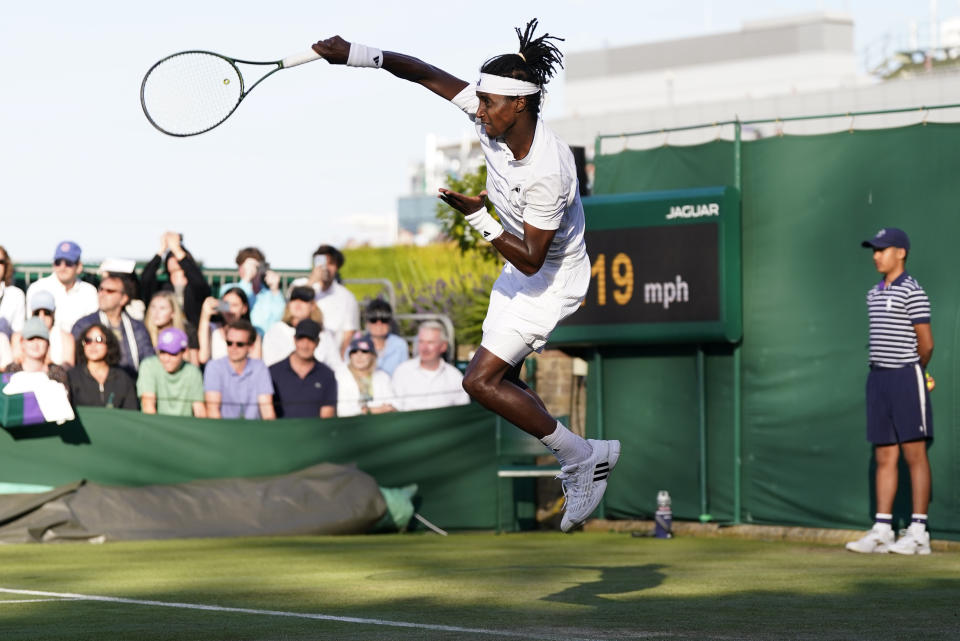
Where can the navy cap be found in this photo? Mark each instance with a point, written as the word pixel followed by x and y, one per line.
pixel 303 293
pixel 888 237
pixel 308 329
pixel 361 343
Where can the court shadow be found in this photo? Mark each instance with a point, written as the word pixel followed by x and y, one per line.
pixel 613 580
pixel 71 432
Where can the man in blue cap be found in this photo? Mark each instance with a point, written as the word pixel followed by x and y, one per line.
pixel 74 297
pixel 899 416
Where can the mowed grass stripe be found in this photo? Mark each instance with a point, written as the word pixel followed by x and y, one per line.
pixel 537 585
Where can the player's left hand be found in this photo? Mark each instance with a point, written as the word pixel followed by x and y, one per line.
pixel 463 203
pixel 930 382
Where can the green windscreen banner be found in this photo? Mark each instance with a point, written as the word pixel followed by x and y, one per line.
pixel 791 447
pixel 450 453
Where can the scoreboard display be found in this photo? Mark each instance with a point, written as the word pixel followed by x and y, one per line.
pixel 665 268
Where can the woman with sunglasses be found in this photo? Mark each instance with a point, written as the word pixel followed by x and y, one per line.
pixel 97 380
pixel 361 387
pixel 391 349
pixel 215 315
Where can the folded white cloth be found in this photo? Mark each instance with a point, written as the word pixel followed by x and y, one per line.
pixel 51 396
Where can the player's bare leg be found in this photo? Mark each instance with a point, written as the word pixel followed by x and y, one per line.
pixel 915 454
pixel 886 476
pixel 486 382
pixel 495 384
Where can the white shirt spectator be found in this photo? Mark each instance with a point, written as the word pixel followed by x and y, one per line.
pixel 341 312
pixel 417 388
pixel 278 343
pixel 12 306
pixel 348 392
pixel 72 304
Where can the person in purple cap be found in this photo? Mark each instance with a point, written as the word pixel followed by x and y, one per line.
pixel 74 297
pixel 899 417
pixel 167 384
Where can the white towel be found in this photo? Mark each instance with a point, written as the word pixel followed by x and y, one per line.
pixel 51 395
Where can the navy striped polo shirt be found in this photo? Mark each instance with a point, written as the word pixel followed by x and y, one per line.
pixel 893 311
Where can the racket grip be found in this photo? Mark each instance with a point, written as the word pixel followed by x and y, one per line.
pixel 299 58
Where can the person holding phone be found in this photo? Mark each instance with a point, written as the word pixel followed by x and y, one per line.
pixel 215 315
pixel 341 312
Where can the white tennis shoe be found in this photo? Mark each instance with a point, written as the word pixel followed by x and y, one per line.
pixel 584 483
pixel 911 542
pixel 875 541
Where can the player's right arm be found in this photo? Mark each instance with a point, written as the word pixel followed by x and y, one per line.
pixel 335 51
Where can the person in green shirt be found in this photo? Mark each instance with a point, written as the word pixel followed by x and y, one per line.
pixel 168 385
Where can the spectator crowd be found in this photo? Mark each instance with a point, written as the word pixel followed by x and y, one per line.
pixel 161 343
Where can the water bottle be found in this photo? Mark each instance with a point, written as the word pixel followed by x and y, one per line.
pixel 663 520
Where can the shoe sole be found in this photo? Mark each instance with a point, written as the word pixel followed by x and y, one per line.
pixel 920 552
pixel 884 550
pixel 613 455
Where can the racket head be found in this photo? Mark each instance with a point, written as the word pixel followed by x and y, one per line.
pixel 190 92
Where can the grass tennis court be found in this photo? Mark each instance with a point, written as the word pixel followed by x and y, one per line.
pixel 473 586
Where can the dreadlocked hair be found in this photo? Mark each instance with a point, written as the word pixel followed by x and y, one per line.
pixel 536 62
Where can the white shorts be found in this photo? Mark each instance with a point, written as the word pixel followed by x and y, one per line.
pixel 524 309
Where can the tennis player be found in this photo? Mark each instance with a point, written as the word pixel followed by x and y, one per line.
pixel 532 183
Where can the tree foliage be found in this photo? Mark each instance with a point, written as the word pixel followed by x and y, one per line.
pixel 454 225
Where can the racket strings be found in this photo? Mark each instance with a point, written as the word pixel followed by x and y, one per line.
pixel 191 92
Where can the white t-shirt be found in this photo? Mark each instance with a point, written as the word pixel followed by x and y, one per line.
pixel 278 343
pixel 348 392
pixel 417 388
pixel 12 306
pixel 540 189
pixel 72 305
pixel 341 312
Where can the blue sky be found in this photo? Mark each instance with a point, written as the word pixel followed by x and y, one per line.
pixel 313 152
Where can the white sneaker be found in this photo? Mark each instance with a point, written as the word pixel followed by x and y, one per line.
pixel 584 483
pixel 874 541
pixel 911 542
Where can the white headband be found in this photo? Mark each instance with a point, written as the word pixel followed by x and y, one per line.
pixel 502 86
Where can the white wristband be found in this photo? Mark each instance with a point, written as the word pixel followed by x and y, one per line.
pixel 364 56
pixel 484 223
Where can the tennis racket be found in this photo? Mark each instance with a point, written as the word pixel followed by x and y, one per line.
pixel 191 92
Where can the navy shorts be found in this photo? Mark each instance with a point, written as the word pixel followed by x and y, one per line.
pixel 898 405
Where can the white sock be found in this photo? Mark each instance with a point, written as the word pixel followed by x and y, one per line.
pixel 884 522
pixel 567 446
pixel 918 524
